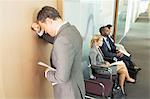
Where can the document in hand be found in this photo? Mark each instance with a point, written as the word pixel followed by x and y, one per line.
pixel 117 63
pixel 45 65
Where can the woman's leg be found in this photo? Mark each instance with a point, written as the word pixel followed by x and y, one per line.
pixel 120 66
pixel 128 78
pixel 122 70
pixel 122 77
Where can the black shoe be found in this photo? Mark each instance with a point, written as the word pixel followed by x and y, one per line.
pixel 137 69
pixel 134 70
pixel 123 93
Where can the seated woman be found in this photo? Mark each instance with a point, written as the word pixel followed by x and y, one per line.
pixel 96 57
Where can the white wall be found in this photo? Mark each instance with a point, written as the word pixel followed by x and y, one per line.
pixel 129 16
pixel 88 16
pixel 130 8
pixel 139 6
pixel 143 6
pixel 72 12
pixel 135 8
pixel 78 12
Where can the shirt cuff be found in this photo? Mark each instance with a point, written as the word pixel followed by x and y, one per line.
pixel 46 71
pixel 40 33
pixel 115 59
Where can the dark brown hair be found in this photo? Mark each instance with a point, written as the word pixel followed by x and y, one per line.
pixel 101 29
pixel 109 26
pixel 47 12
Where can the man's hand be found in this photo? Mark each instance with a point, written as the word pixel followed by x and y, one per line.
pixel 119 54
pixel 107 63
pixel 36 27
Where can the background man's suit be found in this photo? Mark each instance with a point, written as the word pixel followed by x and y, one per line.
pixel 66 58
pixel 111 53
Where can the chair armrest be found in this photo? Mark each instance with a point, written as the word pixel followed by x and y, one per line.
pixel 110 71
pixel 92 81
pixel 109 59
pixel 97 66
pixel 105 69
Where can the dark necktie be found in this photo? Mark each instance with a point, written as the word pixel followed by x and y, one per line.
pixel 108 44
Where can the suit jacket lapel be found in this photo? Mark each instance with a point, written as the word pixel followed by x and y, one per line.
pixel 106 45
pixel 59 32
pixel 100 54
pixel 113 48
pixel 63 27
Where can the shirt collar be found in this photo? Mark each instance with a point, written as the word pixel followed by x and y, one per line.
pixel 60 26
pixel 105 38
pixel 111 38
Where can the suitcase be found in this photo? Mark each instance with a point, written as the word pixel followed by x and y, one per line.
pixel 99 87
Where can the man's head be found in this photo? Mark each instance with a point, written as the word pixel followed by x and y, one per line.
pixel 49 18
pixel 109 26
pixel 101 29
pixel 104 31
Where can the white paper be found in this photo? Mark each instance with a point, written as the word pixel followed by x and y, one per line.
pixel 54 84
pixel 49 67
pixel 117 63
pixel 45 65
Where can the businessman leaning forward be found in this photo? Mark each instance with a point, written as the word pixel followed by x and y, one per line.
pixel 65 55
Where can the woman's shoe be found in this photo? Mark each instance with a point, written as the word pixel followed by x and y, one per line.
pixel 123 93
pixel 131 80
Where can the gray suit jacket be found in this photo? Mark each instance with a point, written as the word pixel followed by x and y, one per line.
pixel 66 58
pixel 96 56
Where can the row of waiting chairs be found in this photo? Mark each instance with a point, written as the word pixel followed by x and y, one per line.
pixel 101 85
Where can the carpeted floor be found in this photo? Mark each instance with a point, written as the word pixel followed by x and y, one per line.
pixel 137 42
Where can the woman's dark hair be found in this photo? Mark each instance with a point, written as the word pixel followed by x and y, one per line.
pixel 109 26
pixel 47 12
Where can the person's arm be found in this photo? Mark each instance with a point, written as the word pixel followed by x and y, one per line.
pixel 46 37
pixel 106 52
pixel 122 49
pixel 41 33
pixel 93 56
pixel 107 63
pixel 63 54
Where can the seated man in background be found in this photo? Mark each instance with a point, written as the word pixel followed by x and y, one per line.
pixel 119 46
pixel 109 50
